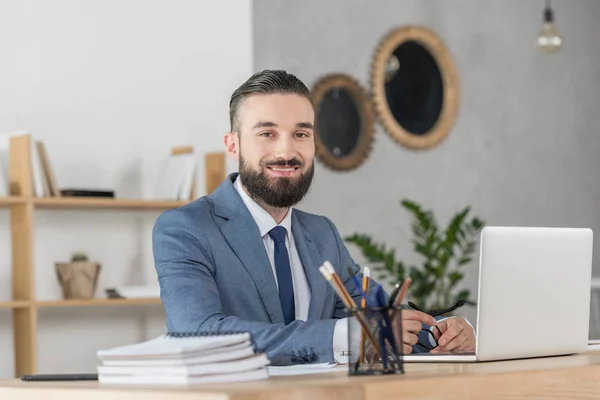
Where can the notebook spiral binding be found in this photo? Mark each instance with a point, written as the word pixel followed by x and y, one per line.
pixel 175 335
pixel 206 333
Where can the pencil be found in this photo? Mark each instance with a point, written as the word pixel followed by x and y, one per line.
pixel 341 291
pixel 363 304
pixel 338 281
pixel 365 285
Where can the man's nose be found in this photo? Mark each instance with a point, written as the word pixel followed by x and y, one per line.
pixel 285 149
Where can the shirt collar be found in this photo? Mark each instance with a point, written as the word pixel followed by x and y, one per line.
pixel 262 218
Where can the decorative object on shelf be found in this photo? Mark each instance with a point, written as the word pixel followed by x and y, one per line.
pixel 133 292
pixel 549 39
pixel 79 192
pixel 344 122
pixel 414 85
pixel 215 170
pixel 445 252
pixel 78 278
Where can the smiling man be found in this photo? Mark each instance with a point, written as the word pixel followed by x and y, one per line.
pixel 243 259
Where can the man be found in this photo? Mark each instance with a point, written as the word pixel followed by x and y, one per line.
pixel 242 259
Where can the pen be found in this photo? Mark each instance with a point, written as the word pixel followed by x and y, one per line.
pixel 358 286
pixel 386 331
pixel 403 291
pixel 393 295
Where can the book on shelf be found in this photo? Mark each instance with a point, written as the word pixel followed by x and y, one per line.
pixel 177 176
pixel 42 176
pixel 133 292
pixel 4 163
pixel 184 359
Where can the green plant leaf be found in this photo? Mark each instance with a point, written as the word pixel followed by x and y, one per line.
pixel 455 277
pixel 463 295
pixel 443 252
pixel 464 260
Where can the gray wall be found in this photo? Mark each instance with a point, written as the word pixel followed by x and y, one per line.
pixel 523 150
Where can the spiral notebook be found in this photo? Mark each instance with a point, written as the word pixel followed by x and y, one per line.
pixel 184 359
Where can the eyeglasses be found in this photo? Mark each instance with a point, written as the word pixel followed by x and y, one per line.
pixel 433 339
pixel 435 313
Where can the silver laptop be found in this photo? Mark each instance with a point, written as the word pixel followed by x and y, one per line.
pixel 534 295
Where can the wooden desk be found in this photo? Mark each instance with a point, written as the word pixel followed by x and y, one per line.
pixel 556 377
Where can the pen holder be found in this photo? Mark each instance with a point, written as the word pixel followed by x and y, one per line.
pixel 375 341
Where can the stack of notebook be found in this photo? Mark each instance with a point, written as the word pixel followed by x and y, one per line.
pixel 184 359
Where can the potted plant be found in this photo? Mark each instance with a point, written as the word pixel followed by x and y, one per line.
pixel 444 253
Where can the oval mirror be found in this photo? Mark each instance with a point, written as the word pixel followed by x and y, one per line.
pixel 343 122
pixel 415 87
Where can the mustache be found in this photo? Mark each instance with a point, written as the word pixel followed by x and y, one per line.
pixel 294 162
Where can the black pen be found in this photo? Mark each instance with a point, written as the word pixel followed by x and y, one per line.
pixel 394 294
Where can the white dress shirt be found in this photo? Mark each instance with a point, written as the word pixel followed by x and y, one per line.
pixel 265 223
pixel 301 288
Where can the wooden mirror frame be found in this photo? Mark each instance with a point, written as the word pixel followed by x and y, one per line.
pixel 366 115
pixel 434 45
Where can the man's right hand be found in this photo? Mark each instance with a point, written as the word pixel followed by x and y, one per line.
pixel 412 323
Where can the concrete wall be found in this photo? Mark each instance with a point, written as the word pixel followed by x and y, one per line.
pixel 524 148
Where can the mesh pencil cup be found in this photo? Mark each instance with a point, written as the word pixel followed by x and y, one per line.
pixel 375 341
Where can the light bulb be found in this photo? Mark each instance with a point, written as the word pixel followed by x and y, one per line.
pixel 549 39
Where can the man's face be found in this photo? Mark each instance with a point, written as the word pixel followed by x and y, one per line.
pixel 275 147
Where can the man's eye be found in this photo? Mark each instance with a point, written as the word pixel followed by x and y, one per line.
pixel 302 134
pixel 265 134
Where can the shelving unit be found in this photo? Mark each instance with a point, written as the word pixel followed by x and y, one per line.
pixel 96 302
pixel 22 205
pixel 106 203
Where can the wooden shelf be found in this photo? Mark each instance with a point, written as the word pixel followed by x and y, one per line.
pixel 105 203
pixel 7 201
pixel 96 302
pixel 14 304
pixel 23 205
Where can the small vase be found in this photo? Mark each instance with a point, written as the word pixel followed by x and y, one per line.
pixel 78 279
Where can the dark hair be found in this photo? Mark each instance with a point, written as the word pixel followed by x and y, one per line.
pixel 265 82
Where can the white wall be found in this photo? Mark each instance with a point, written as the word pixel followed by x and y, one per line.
pixel 110 86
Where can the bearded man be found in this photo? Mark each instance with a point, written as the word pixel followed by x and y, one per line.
pixel 243 259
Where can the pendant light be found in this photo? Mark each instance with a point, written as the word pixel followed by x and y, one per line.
pixel 549 39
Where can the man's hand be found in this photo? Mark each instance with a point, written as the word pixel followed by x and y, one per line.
pixel 456 335
pixel 412 324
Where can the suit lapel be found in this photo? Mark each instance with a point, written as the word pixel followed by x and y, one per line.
pixel 243 236
pixel 310 256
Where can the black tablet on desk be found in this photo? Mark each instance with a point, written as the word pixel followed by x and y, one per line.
pixel 60 377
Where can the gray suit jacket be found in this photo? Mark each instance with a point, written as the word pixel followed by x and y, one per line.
pixel 215 275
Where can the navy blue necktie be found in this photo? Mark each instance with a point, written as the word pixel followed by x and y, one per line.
pixel 284 274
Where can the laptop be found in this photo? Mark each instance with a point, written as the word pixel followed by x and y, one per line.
pixel 534 295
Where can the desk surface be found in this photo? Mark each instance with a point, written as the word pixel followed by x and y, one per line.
pixel 564 377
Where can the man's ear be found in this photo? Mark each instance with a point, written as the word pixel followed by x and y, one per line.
pixel 232 145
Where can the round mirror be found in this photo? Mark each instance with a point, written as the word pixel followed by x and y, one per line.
pixel 415 87
pixel 343 122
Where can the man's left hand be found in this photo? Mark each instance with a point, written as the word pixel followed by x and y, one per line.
pixel 456 335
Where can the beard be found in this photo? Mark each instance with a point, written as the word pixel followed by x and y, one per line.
pixel 281 192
